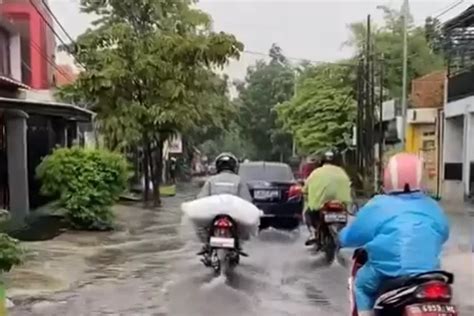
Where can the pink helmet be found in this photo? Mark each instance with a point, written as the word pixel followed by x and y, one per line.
pixel 403 173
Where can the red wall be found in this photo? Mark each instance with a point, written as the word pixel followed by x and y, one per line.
pixel 39 32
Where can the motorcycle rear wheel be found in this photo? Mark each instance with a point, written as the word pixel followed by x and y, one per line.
pixel 330 243
pixel 224 264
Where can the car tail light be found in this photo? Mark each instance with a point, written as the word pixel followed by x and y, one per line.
pixel 295 191
pixel 435 291
pixel 223 223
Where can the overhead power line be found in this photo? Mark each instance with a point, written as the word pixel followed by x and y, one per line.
pixel 58 22
pixel 449 8
pixel 49 61
pixel 301 59
pixel 54 31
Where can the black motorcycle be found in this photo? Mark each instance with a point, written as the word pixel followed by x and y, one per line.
pixel 333 218
pixel 425 294
pixel 223 251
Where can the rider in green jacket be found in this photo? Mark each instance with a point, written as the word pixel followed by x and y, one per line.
pixel 326 183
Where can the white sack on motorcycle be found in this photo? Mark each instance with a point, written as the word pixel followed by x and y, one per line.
pixel 201 211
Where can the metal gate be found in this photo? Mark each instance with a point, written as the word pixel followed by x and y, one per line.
pixel 4 192
pixel 39 146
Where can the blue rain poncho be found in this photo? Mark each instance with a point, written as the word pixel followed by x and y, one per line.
pixel 403 234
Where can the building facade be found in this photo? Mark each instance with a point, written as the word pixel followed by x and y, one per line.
pixel 37 40
pixel 12 122
pixel 31 126
pixel 423 130
pixel 458 116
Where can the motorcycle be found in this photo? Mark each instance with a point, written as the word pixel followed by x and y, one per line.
pixel 333 218
pixel 425 294
pixel 223 251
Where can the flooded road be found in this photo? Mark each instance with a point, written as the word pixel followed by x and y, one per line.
pixel 151 269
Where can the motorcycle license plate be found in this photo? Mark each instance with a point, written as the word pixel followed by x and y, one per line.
pixel 431 309
pixel 335 218
pixel 221 242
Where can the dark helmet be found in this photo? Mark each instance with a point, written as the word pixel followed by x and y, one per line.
pixel 328 157
pixel 227 161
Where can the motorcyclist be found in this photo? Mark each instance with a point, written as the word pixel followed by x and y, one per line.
pixel 402 231
pixel 226 181
pixel 308 167
pixel 326 183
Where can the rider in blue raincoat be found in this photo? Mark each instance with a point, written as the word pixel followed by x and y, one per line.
pixel 403 231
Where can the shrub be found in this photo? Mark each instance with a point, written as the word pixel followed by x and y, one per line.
pixel 86 182
pixel 10 252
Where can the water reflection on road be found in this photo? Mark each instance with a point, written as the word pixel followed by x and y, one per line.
pixel 151 269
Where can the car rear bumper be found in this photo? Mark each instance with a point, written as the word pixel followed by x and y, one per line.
pixel 281 210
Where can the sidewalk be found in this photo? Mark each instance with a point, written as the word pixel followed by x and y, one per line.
pixel 462 231
pixel 462 265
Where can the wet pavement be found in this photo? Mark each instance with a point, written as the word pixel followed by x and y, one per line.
pixel 150 269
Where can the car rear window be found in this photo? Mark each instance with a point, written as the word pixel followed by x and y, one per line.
pixel 271 173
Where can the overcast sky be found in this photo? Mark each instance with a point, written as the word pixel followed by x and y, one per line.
pixel 311 29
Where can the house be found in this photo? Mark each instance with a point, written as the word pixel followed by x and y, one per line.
pixel 423 129
pixel 38 44
pixel 458 130
pixel 29 129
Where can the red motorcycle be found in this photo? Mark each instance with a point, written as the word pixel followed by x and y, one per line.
pixel 425 294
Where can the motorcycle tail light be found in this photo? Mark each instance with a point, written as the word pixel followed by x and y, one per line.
pixel 295 191
pixel 223 223
pixel 334 206
pixel 435 291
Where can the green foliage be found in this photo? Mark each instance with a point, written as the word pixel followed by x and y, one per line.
pixel 388 40
pixel 149 69
pixel 322 114
pixel 229 140
pixel 434 35
pixel 11 253
pixel 86 182
pixel 265 86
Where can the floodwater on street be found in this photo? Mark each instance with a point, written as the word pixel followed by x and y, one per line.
pixel 152 269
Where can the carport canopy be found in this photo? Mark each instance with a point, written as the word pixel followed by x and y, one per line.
pixel 65 110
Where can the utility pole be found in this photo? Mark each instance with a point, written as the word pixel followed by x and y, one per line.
pixel 405 71
pixel 369 114
pixel 381 132
pixel 294 96
pixel 360 116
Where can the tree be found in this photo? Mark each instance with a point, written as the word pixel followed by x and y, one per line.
pixel 149 73
pixel 433 34
pixel 229 140
pixel 265 86
pixel 322 114
pixel 388 40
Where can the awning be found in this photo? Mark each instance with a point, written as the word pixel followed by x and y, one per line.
pixel 463 20
pixel 67 111
pixel 11 84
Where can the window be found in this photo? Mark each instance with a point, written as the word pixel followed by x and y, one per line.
pixel 4 52
pixel 271 172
